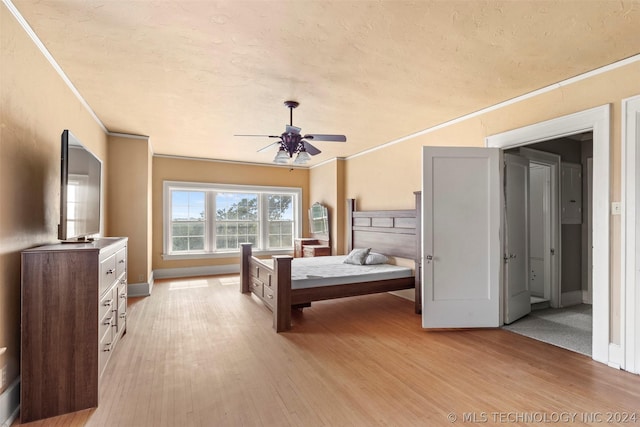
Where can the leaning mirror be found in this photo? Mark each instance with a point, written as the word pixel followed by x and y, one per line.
pixel 319 220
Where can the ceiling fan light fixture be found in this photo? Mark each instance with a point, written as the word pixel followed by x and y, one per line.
pixel 302 157
pixel 291 142
pixel 282 157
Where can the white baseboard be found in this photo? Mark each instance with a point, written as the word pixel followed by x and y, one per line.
pixel 10 404
pixel 140 289
pixel 615 356
pixel 571 298
pixel 209 270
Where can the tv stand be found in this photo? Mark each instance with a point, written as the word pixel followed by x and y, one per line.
pixel 74 312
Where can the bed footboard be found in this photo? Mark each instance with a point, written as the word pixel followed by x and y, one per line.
pixel 272 284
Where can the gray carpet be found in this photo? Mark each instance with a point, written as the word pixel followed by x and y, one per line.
pixel 568 328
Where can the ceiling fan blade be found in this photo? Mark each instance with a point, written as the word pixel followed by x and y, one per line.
pixel 310 148
pixel 292 129
pixel 320 137
pixel 263 136
pixel 268 147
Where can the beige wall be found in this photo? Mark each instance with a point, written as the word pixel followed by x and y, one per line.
pixel 177 169
pixel 327 187
pixel 386 178
pixel 129 201
pixel 35 107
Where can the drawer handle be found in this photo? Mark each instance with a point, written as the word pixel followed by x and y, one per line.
pixel 110 271
pixel 270 296
pixel 108 303
pixel 121 261
pixel 107 321
pixel 123 281
pixel 123 296
pixel 107 347
pixel 123 315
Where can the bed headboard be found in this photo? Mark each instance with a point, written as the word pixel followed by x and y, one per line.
pixel 390 232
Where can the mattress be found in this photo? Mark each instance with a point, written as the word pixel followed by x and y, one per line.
pixel 331 270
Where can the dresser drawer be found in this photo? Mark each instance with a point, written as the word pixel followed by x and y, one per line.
pixel 104 349
pixel 122 306
pixel 107 273
pixel 107 304
pixel 121 262
pixel 316 250
pixel 106 324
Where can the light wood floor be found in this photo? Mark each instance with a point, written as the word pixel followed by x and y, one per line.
pixel 199 353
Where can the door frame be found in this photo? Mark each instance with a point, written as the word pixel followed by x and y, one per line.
pixel 596 120
pixel 630 259
pixel 553 162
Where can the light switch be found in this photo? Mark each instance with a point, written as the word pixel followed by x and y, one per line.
pixel 615 208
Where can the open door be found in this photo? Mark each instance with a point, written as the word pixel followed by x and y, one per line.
pixel 462 245
pixel 516 242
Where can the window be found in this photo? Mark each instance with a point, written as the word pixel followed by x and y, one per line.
pixel 187 220
pixel 237 220
pixel 208 219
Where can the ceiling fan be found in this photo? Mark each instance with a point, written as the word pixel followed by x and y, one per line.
pixel 292 142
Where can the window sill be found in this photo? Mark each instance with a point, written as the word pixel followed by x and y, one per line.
pixel 214 255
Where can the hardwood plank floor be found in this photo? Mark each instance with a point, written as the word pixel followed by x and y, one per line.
pixel 199 353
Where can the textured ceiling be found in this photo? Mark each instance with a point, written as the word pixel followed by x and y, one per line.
pixel 191 74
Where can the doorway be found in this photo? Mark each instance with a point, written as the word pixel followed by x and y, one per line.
pixel 595 121
pixel 564 237
pixel 560 219
pixel 469 180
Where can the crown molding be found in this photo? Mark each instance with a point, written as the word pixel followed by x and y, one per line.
pixel 27 28
pixel 572 80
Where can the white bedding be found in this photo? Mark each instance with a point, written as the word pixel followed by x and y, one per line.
pixel 330 270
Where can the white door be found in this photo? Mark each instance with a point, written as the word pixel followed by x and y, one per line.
pixel 539 230
pixel 516 244
pixel 462 247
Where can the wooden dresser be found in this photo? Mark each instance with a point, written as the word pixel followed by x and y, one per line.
pixel 74 311
pixel 316 250
pixel 310 247
pixel 319 244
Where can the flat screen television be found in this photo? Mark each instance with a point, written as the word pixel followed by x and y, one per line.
pixel 80 176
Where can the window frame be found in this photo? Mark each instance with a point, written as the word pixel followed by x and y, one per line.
pixel 212 188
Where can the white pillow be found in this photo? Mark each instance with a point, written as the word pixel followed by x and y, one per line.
pixel 357 256
pixel 375 258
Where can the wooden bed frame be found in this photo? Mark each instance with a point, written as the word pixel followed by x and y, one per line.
pixel 394 233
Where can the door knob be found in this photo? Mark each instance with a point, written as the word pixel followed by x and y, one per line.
pixel 508 257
